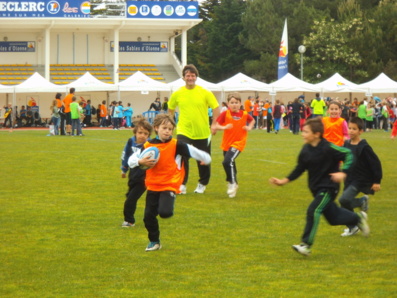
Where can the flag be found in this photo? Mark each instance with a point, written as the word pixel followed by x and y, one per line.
pixel 283 53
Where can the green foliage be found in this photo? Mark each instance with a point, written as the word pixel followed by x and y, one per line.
pixel 61 211
pixel 223 53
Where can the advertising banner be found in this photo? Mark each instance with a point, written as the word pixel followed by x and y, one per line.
pixel 138 46
pixel 17 46
pixel 162 10
pixel 45 9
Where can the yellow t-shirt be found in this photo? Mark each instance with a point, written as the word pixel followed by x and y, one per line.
pixel 193 111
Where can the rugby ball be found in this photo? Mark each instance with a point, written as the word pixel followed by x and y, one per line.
pixel 152 152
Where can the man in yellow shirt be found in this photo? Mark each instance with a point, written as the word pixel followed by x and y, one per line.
pixel 193 102
pixel 317 106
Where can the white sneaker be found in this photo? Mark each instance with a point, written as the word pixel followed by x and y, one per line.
pixel 232 189
pixel 350 232
pixel 182 189
pixel 200 188
pixel 302 248
pixel 363 224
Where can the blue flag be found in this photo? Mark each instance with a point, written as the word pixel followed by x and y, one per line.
pixel 283 53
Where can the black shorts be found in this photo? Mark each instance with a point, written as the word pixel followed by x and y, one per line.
pixel 68 118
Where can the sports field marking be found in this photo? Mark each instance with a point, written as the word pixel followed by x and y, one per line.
pixel 272 161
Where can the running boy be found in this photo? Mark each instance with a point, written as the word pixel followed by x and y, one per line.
pixel 234 123
pixel 164 178
pixel 322 159
pixel 364 176
pixel 136 176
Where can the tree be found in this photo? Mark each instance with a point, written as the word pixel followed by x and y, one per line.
pixel 224 55
pixel 330 48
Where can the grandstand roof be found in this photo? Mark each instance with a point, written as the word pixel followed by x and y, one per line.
pixel 96 24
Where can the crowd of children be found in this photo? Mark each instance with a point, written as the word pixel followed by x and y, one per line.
pixel 333 153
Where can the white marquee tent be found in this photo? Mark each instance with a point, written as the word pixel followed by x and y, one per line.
pixel 381 84
pixel 242 82
pixel 141 82
pixel 36 84
pixel 336 84
pixel 88 82
pixel 203 83
pixel 290 83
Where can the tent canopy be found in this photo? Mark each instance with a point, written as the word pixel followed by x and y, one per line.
pixel 337 83
pixel 242 82
pixel 36 83
pixel 291 83
pixel 88 82
pixel 141 82
pixel 203 83
pixel 381 84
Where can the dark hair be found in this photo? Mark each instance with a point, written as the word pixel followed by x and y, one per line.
pixel 235 95
pixel 72 90
pixel 163 119
pixel 143 123
pixel 190 68
pixel 316 125
pixel 335 103
pixel 74 98
pixel 58 96
pixel 358 121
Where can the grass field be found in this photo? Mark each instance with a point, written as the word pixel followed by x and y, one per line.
pixel 61 209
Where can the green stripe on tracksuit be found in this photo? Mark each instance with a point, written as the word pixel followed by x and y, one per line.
pixel 323 203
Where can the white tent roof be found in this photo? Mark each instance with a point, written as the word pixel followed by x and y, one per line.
pixel 337 83
pixel 6 89
pixel 381 84
pixel 291 83
pixel 141 82
pixel 242 82
pixel 88 82
pixel 36 83
pixel 203 83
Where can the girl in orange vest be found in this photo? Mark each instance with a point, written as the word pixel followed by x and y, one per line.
pixel 163 178
pixel 236 124
pixel 335 127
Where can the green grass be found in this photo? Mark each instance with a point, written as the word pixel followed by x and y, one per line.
pixel 61 208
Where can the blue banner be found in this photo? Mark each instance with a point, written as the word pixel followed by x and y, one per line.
pixel 138 46
pixel 162 10
pixel 45 9
pixel 17 46
pixel 283 53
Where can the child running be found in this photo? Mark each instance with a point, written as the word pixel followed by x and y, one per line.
pixel 236 124
pixel 335 127
pixel 164 178
pixel 136 176
pixel 321 159
pixel 364 176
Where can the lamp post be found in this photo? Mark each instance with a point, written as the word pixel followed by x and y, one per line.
pixel 302 50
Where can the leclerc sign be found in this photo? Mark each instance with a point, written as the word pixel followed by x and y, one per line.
pixel 45 9
pixel 162 10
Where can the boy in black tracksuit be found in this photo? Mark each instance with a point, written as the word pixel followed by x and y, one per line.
pixel 136 176
pixel 365 175
pixel 322 160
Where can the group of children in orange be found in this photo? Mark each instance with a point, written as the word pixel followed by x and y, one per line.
pixel 333 150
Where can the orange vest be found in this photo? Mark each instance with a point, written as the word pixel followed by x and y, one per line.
pixel 333 130
pixel 165 175
pixel 237 136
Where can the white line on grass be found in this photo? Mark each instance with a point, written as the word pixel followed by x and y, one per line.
pixel 272 161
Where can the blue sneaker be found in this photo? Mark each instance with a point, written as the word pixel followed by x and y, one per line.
pixel 364 204
pixel 153 246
